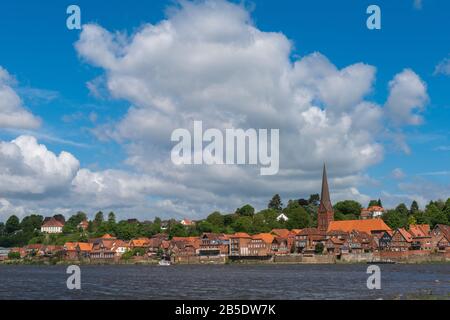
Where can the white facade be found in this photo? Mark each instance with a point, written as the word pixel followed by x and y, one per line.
pixel 51 229
pixel 282 217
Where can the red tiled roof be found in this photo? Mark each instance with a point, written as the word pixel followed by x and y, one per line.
pixel 359 225
pixel 83 246
pixel 240 235
pixel 52 223
pixel 266 237
pixel 281 232
pixel 405 234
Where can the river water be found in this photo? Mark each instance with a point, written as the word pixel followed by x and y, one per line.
pixel 283 282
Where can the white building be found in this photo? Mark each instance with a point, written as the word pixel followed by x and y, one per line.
pixel 283 217
pixel 52 226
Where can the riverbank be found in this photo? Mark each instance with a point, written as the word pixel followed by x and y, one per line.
pixel 363 258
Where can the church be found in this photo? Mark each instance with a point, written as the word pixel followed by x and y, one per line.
pixel 337 234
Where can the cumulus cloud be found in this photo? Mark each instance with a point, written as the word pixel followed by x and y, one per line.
pixel 28 168
pixel 208 61
pixel 407 97
pixel 13 114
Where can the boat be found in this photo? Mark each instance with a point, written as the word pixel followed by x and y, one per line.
pixel 381 262
pixel 164 262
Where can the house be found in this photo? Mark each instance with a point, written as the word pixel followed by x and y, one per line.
pixel 280 246
pixel 384 241
pixel 372 212
pixel 4 253
pixel 143 243
pixel 334 245
pixel 213 244
pixel 239 244
pixel 261 245
pixel 184 246
pixel 102 248
pixel 83 225
pixel 120 247
pixel 52 225
pixel 84 249
pixel 70 250
pixel 307 239
pixel 421 237
pixel 440 237
pixel 282 217
pixel 187 222
pixel 401 240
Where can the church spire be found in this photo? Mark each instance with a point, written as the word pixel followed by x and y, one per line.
pixel 325 202
pixel 325 213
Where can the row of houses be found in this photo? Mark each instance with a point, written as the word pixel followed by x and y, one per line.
pixel 343 237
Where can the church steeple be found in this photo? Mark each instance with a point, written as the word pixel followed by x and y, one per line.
pixel 325 212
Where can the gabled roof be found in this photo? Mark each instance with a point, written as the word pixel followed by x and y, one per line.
pixel 359 225
pixel 419 230
pixel 405 234
pixel 280 232
pixel 375 208
pixel 52 222
pixel 70 246
pixel 266 237
pixel 83 246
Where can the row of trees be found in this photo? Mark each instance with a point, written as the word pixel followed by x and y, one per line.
pixel 301 213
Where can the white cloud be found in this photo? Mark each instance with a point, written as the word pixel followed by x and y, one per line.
pixel 443 67
pixel 408 96
pixel 208 61
pixel 12 112
pixel 28 168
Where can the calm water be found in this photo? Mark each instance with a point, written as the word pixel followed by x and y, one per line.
pixel 223 282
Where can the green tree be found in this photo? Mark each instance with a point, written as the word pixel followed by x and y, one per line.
pixel 414 207
pixel 435 215
pixel 348 207
pixel 314 199
pixel 98 219
pixel 275 203
pixel 447 209
pixel 31 223
pixel 243 224
pixel 246 210
pixel 401 208
pixel 13 255
pixel 216 219
pixel 395 219
pixel 298 218
pixel 318 249
pixel 373 203
pixel 111 218
pixel 12 224
pixel 73 222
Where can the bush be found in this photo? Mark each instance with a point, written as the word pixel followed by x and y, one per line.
pixel 13 255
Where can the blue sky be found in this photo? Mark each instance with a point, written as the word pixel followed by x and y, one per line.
pixel 51 75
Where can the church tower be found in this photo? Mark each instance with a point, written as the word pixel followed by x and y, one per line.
pixel 325 213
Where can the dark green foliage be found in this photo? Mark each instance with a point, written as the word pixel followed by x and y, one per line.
pixel 348 207
pixel 275 203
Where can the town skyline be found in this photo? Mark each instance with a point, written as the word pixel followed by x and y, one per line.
pixel 86 115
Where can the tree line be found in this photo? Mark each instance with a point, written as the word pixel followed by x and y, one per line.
pixel 301 213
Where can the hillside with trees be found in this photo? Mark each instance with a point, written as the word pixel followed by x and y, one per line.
pixel 301 213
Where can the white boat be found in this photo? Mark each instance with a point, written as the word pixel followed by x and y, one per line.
pixel 164 262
